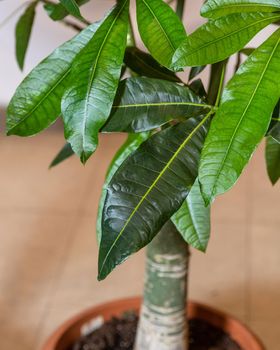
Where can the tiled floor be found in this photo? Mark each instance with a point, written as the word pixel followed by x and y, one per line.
pixel 48 252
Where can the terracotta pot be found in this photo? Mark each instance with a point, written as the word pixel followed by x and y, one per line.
pixel 71 330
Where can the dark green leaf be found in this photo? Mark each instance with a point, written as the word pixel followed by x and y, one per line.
pixel 242 119
pixel 220 8
pixel 198 88
pixel 192 220
pixel 72 7
pixel 147 189
pixel 195 71
pixel 65 153
pixel 145 65
pixel 36 103
pixel 160 28
pixel 131 144
pixel 23 32
pixel 218 39
pixel 272 156
pixel 143 104
pixel 274 128
pixel 57 11
pixel 95 75
pixel 247 51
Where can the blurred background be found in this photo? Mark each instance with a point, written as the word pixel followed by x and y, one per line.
pixel 48 250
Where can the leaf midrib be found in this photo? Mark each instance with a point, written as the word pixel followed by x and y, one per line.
pixel 95 68
pixel 159 104
pixel 41 100
pixel 166 167
pixel 228 35
pixel 159 24
pixel 243 115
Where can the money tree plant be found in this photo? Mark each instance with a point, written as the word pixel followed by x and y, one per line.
pixel 186 143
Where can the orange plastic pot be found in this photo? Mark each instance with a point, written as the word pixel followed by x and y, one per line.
pixel 72 329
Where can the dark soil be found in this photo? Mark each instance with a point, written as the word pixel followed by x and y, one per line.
pixel 119 334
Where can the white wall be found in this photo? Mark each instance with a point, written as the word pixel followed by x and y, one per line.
pixel 47 35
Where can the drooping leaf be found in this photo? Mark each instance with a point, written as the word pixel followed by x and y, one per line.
pixel 195 71
pixel 192 220
pixel 72 7
pixel 272 156
pixel 218 39
pixel 274 128
pixel 198 88
pixel 131 144
pixel 160 28
pixel 145 65
pixel 23 32
pixel 65 153
pixel 147 189
pixel 95 75
pixel 219 8
pixel 142 104
pixel 57 11
pixel 36 103
pixel 242 119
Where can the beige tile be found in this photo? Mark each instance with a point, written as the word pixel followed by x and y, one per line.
pixel 218 277
pixel 268 332
pixel 265 273
pixel 265 197
pixel 32 246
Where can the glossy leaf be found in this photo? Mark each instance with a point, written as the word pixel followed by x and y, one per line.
pixel 192 220
pixel 95 75
pixel 36 103
pixel 272 156
pixel 198 88
pixel 131 144
pixel 143 104
pixel 147 189
pixel 57 11
pixel 274 128
pixel 72 7
pixel 145 65
pixel 65 153
pixel 219 8
pixel 242 119
pixel 23 32
pixel 160 28
pixel 218 39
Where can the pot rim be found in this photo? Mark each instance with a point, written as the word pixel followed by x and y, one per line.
pixel 218 318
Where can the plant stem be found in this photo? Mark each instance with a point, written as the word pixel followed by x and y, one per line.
pixel 180 8
pixel 163 322
pixel 217 70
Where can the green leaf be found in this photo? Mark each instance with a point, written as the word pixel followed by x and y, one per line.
pixel 72 7
pixel 147 189
pixel 145 65
pixel 144 104
pixel 23 32
pixel 242 119
pixel 95 75
pixel 274 128
pixel 218 39
pixel 36 103
pixel 160 28
pixel 192 220
pixel 65 153
pixel 198 88
pixel 272 156
pixel 195 71
pixel 57 11
pixel 219 8
pixel 131 144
